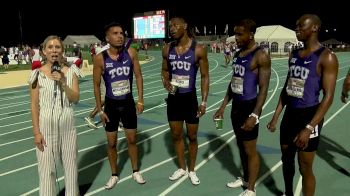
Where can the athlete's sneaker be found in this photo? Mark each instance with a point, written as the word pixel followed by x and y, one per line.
pixel 238 183
pixel 178 174
pixel 138 178
pixel 194 179
pixel 248 192
pixel 90 122
pixel 111 182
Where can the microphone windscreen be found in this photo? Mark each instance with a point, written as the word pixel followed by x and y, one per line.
pixel 56 67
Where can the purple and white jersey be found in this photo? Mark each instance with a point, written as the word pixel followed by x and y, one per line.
pixel 118 75
pixel 183 68
pixel 244 82
pixel 303 83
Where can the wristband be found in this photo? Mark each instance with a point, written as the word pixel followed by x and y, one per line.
pixel 255 116
pixel 311 128
pixel 140 103
pixel 204 103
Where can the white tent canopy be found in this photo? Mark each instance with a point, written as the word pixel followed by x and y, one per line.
pixel 82 40
pixel 278 38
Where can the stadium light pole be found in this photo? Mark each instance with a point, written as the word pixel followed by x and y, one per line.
pixel 20 26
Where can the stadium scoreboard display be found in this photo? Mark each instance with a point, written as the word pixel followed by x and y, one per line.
pixel 150 25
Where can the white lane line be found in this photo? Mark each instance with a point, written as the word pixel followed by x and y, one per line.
pixel 178 182
pixel 299 185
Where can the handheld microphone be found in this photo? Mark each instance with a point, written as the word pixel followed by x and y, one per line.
pixel 128 43
pixel 55 67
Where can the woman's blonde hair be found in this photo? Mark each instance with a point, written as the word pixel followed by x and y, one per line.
pixel 51 37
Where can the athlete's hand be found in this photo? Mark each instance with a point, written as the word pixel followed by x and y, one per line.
pixel 344 98
pixel 104 118
pixel 302 139
pixel 39 142
pixel 201 110
pixel 219 114
pixel 139 108
pixel 271 126
pixel 249 124
pixel 167 85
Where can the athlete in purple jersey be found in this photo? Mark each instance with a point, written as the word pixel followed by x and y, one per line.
pixel 312 69
pixel 248 90
pixel 181 61
pixel 117 66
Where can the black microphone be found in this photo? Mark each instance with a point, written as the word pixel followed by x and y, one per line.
pixel 55 67
pixel 128 43
pixel 125 47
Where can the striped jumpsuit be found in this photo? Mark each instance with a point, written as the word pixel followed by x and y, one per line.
pixel 57 125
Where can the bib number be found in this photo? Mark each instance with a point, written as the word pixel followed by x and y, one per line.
pixel 237 85
pixel 121 87
pixel 295 87
pixel 182 81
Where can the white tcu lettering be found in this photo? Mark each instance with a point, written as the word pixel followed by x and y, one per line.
pixel 239 69
pixel 119 71
pixel 180 65
pixel 297 71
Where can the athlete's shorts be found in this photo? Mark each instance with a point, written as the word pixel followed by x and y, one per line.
pixel 183 107
pixel 123 110
pixel 294 120
pixel 239 114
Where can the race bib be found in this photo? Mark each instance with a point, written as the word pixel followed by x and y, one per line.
pixel 182 81
pixel 314 133
pixel 121 87
pixel 295 87
pixel 237 85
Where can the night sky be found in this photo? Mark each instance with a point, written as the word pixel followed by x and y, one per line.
pixel 64 17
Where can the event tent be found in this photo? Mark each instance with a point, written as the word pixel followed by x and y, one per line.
pixel 82 40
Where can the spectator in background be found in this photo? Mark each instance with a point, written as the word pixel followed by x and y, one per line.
pixel 36 57
pixel 78 55
pixel 5 58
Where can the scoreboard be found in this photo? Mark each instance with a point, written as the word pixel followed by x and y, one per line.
pixel 150 25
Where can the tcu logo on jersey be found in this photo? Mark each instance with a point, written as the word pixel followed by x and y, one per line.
pixel 119 71
pixel 293 60
pixel 238 69
pixel 297 71
pixel 172 57
pixel 180 65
